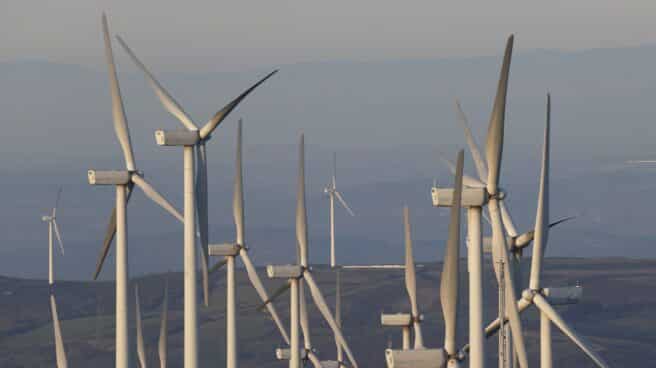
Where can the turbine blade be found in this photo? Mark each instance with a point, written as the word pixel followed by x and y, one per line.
pixel 163 330
pixel 547 309
pixel 154 195
pixel 118 112
pixel 481 168
pixel 303 317
pixel 565 219
pixel 494 142
pixel 218 265
pixel 58 235
pixel 261 291
pixel 60 351
pixel 450 270
pixel 301 212
pixel 165 98
pixel 508 223
pixel 320 302
pixel 238 197
pixel 54 209
pixel 411 279
pixel 343 202
pixel 209 127
pixel 542 215
pixel 201 209
pixel 276 293
pixel 334 170
pixel 316 363
pixel 338 312
pixel 141 346
pixel 109 234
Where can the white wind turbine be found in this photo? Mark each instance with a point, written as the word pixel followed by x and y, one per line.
pixel 53 227
pixel 190 139
pixel 60 351
pixel 300 274
pixel 475 196
pixel 448 355
pixel 124 181
pixel 333 194
pixel 230 251
pixel 535 294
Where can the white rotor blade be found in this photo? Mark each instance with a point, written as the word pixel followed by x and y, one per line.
pixel 481 168
pixel 343 202
pixel 508 223
pixel 54 209
pixel 334 178
pixel 261 291
pixel 169 103
pixel 338 310
pixel 320 302
pixel 542 215
pixel 494 142
pixel 450 269
pixel 60 351
pixel 151 193
pixel 303 317
pixel 220 115
pixel 301 212
pixel 547 309
pixel 238 197
pixel 58 235
pixel 163 329
pixel 118 112
pixel 411 279
pixel 141 346
pixel 201 210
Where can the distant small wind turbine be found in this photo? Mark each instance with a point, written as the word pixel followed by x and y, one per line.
pixel 52 226
pixel 332 192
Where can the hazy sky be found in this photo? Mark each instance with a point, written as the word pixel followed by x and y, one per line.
pixel 223 35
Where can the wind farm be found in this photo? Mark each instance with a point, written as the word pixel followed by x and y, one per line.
pixel 495 263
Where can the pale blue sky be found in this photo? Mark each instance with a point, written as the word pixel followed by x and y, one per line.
pixel 226 35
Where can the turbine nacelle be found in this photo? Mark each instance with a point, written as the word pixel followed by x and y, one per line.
pixel 284 271
pixel 177 137
pixel 563 295
pixel 46 218
pixel 471 197
pixel 285 353
pixel 109 177
pixel 224 250
pixel 398 319
pixel 424 358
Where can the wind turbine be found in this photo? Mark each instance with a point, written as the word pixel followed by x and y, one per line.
pixel 60 351
pixel 448 355
pixel 52 226
pixel 124 181
pixel 535 294
pixel 516 242
pixel 333 193
pixel 230 251
pixel 301 274
pixel 404 320
pixel 190 139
